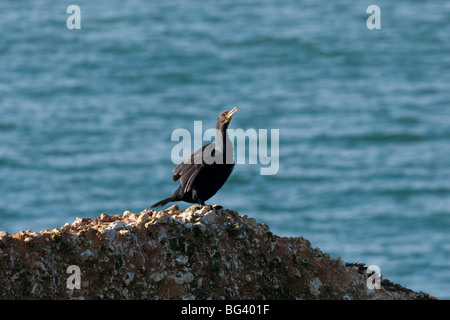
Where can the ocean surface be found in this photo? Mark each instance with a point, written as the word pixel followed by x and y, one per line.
pixel 86 118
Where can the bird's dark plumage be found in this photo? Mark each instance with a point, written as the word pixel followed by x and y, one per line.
pixel 205 171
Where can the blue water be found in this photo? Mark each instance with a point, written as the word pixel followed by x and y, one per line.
pixel 86 117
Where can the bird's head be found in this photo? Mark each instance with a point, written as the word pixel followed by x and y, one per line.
pixel 225 116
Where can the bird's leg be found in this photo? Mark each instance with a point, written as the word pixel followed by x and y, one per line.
pixel 196 198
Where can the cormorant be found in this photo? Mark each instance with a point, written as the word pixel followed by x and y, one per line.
pixel 205 171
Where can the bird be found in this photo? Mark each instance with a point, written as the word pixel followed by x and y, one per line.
pixel 206 170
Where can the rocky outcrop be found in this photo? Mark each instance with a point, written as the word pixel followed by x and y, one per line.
pixel 200 253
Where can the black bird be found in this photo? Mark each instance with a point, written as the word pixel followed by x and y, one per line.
pixel 205 171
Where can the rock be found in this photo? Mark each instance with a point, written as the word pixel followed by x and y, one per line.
pixel 173 208
pixel 183 277
pixel 128 278
pixel 86 255
pixel 157 276
pixel 143 218
pixel 208 217
pixel 199 253
pixel 314 286
pixel 182 260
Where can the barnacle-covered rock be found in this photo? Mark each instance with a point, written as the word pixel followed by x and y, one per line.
pixel 198 253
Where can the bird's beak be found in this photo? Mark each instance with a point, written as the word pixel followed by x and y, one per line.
pixel 230 114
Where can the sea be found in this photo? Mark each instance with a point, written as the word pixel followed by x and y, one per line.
pixel 91 92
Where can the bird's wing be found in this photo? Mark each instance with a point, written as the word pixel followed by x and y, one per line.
pixel 189 168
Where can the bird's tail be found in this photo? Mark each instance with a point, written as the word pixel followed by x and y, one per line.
pixel 161 203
